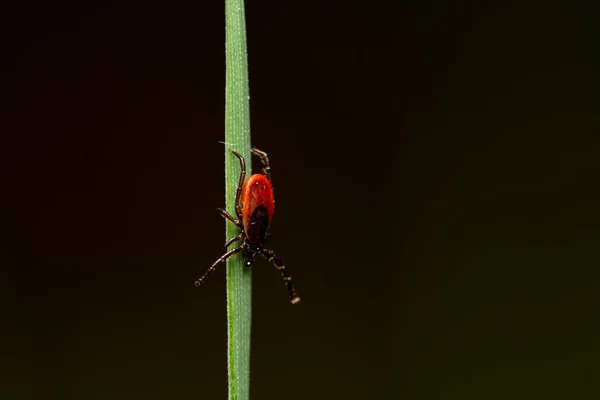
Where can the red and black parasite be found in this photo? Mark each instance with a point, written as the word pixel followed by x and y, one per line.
pixel 254 207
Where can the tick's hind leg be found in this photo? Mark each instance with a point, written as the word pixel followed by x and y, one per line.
pixel 264 160
pixel 269 255
pixel 216 263
pixel 238 192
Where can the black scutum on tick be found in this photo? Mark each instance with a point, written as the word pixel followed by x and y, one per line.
pixel 256 232
pixel 258 225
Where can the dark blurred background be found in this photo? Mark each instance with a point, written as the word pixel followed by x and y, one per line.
pixel 436 171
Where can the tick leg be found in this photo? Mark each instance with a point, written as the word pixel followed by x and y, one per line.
pixel 233 239
pixel 228 216
pixel 269 255
pixel 214 266
pixel 264 160
pixel 238 193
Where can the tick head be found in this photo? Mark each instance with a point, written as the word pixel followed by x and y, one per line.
pixel 250 252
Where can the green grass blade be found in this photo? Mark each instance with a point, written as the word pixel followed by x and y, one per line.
pixel 237 135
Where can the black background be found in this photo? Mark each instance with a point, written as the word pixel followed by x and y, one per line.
pixel 435 167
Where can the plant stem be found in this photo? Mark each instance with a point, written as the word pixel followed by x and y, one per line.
pixel 237 135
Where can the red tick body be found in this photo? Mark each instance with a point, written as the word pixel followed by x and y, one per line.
pixel 254 207
pixel 258 205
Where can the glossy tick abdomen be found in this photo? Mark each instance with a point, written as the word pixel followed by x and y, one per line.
pixel 258 205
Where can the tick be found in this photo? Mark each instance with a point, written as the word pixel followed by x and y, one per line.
pixel 254 207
